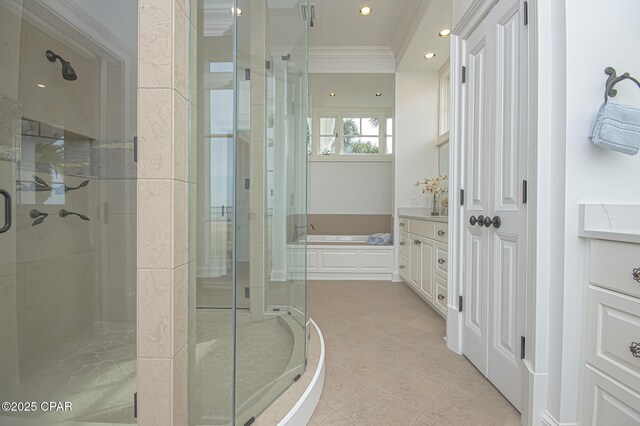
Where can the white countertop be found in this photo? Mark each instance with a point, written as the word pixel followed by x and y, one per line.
pixel 421 213
pixel 614 222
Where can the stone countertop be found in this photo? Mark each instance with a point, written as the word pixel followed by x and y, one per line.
pixel 420 213
pixel 613 222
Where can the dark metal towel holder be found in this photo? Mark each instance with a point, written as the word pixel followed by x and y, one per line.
pixel 614 78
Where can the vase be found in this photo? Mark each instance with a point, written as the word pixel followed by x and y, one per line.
pixel 434 209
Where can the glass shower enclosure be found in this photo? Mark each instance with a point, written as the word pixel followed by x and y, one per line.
pixel 248 206
pixel 67 211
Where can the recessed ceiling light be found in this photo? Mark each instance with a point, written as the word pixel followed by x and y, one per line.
pixel 378 94
pixel 365 11
pixel 237 12
pixel 430 55
pixel 445 33
pixel 332 94
pixel 41 85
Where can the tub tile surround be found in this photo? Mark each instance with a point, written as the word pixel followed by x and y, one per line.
pixel 349 224
pixel 163 287
pixel 424 384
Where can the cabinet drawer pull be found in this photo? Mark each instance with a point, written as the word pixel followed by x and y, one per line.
pixel 401 224
pixel 441 233
pixel 417 242
pixel 636 274
pixel 401 243
pixel 440 296
pixel 401 266
pixel 634 347
pixel 441 261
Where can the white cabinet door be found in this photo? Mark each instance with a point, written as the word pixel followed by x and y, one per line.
pixel 415 262
pixel 495 163
pixel 427 255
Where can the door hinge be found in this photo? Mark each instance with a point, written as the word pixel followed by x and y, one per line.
pixel 295 379
pixel 460 303
pixel 526 13
pixel 135 149
pixel 522 347
pixel 464 74
pixel 247 292
pixel 268 65
pixel 135 405
pixel 247 74
pixel 462 197
pixel 525 191
pixel 250 421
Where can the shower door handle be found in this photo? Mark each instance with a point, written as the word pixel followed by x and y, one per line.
pixel 7 211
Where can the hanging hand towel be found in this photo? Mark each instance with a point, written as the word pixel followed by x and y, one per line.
pixel 617 127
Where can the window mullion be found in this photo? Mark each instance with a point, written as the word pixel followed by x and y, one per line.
pixel 339 131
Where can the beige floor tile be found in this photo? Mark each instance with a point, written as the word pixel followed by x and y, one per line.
pixel 322 412
pixel 415 389
pixel 374 406
pixel 340 386
pixel 471 382
pixel 424 420
pixel 455 408
pixel 439 368
pixel 336 419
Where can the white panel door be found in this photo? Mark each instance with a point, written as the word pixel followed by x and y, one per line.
pixel 507 275
pixel 495 168
pixel 476 246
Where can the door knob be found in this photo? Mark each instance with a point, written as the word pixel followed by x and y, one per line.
pixel 473 220
pixel 481 221
pixel 635 349
pixel 636 274
pixel 496 222
pixel 441 261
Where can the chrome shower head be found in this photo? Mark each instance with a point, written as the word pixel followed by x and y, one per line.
pixel 68 73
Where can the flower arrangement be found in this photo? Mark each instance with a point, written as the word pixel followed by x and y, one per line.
pixel 433 186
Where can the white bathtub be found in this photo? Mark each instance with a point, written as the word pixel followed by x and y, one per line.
pixel 347 257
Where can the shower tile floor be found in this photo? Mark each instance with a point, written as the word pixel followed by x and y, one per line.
pixel 387 362
pixel 96 371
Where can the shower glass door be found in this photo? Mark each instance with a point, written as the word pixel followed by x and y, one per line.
pixel 250 151
pixel 67 212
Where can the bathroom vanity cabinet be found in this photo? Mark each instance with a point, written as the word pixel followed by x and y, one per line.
pixel 424 259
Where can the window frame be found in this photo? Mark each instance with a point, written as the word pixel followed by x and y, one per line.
pixel 339 114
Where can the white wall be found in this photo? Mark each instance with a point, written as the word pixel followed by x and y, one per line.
pixel 592 175
pixel 346 187
pixel 416 155
pixel 351 187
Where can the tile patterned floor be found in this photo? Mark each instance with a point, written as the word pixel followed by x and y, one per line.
pixel 387 363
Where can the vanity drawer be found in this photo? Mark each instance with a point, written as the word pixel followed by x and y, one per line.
pixel 422 228
pixel 615 266
pixel 404 244
pixel 441 232
pixel 403 223
pixel 440 298
pixel 613 335
pixel 403 267
pixel 607 402
pixel 442 259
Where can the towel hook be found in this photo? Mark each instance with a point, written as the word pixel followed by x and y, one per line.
pixel 610 91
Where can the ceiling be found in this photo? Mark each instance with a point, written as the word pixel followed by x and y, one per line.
pixel 352 90
pixel 426 39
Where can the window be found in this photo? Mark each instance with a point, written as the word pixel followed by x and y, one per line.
pixel 360 135
pixel 328 135
pixel 368 135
